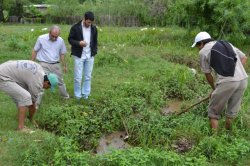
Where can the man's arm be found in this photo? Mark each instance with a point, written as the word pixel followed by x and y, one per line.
pixel 72 38
pixel 33 55
pixel 210 80
pixel 32 111
pixel 243 60
pixel 36 48
pixel 95 41
pixel 242 56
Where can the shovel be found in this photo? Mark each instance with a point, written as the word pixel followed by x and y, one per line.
pixel 187 109
pixel 125 126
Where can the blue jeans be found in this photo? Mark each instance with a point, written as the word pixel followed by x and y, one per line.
pixel 82 66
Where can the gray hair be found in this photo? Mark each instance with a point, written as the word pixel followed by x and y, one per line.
pixel 55 27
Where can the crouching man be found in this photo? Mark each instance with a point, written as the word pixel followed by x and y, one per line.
pixel 23 80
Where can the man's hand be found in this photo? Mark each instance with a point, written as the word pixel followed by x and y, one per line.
pixel 65 69
pixel 32 111
pixel 33 55
pixel 83 43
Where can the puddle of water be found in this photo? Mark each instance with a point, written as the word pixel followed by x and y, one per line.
pixel 172 107
pixel 112 141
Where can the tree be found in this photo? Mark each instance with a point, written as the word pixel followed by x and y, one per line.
pixel 81 1
pixel 37 1
pixel 64 8
pixel 12 7
pixel 217 17
pixel 1 11
pixel 17 8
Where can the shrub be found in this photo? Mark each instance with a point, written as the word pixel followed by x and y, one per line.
pixel 217 17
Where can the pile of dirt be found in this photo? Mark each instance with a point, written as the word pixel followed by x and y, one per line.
pixel 182 145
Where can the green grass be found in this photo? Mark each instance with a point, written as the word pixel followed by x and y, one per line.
pixel 135 75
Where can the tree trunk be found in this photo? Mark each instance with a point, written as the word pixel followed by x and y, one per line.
pixel 19 9
pixel 1 11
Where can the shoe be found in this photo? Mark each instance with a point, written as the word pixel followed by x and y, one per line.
pixel 37 106
pixel 66 98
pixel 78 100
pixel 85 97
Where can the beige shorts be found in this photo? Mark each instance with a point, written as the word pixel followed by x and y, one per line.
pixel 20 96
pixel 227 96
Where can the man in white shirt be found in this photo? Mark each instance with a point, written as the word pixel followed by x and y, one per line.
pixel 83 41
pixel 49 51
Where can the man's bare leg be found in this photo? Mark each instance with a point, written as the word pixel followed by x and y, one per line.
pixel 32 110
pixel 21 117
pixel 214 125
pixel 228 123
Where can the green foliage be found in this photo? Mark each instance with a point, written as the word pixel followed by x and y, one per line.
pixel 77 122
pixel 114 7
pixel 217 17
pixel 222 19
pixel 23 41
pixel 17 44
pixel 230 149
pixel 157 12
pixel 143 36
pixel 31 12
pixel 132 80
pixel 150 129
pixel 146 90
pixel 16 9
pixel 67 154
pixel 150 157
pixel 110 58
pixel 37 1
pixel 40 151
pixel 64 8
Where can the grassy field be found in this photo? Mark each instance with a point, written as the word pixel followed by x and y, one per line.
pixel 137 73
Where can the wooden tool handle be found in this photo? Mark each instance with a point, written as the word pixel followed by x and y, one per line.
pixel 205 99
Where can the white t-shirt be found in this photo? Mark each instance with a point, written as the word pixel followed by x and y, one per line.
pixel 86 32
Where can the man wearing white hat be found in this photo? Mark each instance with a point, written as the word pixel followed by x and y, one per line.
pixel 227 62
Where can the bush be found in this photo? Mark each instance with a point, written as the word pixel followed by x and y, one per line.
pixel 219 148
pixel 149 157
pixel 216 17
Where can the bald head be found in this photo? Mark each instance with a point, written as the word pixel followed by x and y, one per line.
pixel 54 32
